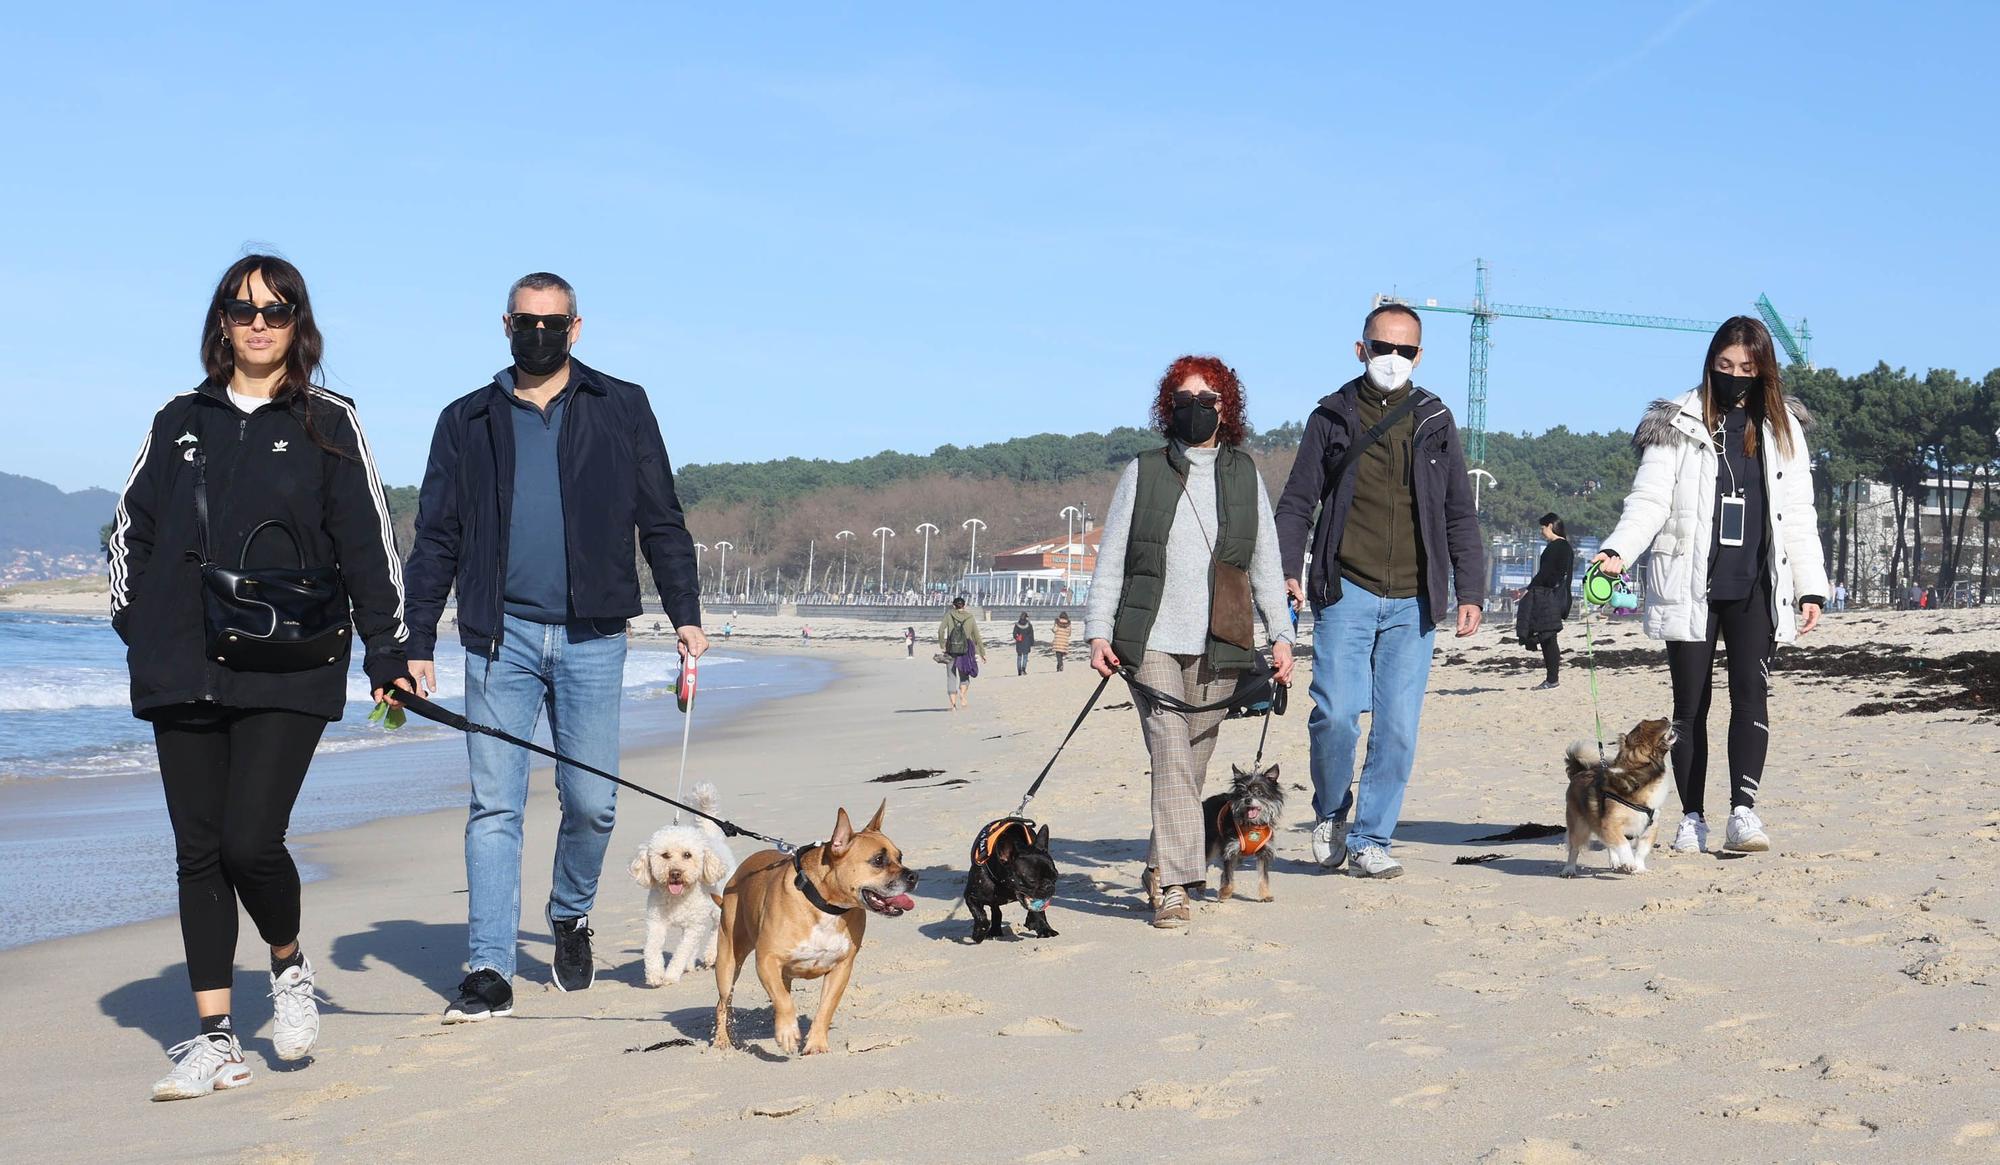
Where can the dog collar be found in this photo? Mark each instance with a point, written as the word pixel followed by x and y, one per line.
pixel 806 887
pixel 1249 838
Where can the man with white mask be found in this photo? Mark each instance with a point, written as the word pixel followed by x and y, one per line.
pixel 1382 466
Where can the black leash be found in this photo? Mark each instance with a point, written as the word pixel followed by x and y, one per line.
pixel 451 719
pixel 1022 810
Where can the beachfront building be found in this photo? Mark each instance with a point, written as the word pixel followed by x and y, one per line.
pixel 1054 571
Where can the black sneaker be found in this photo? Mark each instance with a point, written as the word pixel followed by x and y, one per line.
pixel 574 968
pixel 483 995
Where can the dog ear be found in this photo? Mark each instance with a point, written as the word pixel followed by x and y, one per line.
pixel 1042 838
pixel 642 867
pixel 875 823
pixel 711 868
pixel 843 835
pixel 1272 772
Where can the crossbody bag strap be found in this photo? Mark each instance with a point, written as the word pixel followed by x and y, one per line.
pixel 1352 459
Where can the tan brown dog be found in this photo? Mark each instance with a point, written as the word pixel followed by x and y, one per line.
pixel 1619 800
pixel 804 916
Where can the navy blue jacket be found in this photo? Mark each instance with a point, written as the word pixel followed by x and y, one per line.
pixel 615 479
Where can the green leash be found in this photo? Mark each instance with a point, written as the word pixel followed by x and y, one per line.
pixel 1590 656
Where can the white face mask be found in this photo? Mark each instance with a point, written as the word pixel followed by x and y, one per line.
pixel 1391 372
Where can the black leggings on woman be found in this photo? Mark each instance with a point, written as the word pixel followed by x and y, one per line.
pixel 230 784
pixel 1552 657
pixel 1745 626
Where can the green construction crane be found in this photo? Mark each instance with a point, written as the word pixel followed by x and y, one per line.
pixel 1795 341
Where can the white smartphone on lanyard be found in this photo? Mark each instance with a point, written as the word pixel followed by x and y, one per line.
pixel 1730 532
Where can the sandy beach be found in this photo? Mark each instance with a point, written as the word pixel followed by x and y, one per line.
pixel 1833 1000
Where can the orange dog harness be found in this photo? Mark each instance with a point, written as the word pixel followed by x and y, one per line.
pixel 990 834
pixel 1250 838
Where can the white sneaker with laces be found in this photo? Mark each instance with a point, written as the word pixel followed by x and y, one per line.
pixel 1746 832
pixel 204 1064
pixel 1372 861
pixel 1693 835
pixel 295 1012
pixel 1329 843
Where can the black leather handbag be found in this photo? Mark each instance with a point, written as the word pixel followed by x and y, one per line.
pixel 270 619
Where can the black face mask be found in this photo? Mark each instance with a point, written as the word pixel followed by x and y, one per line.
pixel 1195 422
pixel 539 351
pixel 1729 390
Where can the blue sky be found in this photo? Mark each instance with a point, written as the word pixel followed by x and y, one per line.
pixel 826 230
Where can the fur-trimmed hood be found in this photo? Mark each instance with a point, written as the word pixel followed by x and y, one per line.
pixel 1670 415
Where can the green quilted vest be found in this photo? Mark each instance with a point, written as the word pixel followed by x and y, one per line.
pixel 1160 474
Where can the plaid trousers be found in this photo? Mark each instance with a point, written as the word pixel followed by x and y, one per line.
pixel 1179 745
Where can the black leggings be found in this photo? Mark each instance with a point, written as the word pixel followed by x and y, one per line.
pixel 230 785
pixel 1551 656
pixel 1745 625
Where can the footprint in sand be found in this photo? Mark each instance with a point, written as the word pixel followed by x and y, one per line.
pixel 1976 1131
pixel 1736 1021
pixel 274 1154
pixel 1538 1151
pixel 1039 1025
pixel 1429 1098
pixel 332 1093
pixel 923 1005
pixel 1407 1018
pixel 862 1044
pixel 1616 1006
pixel 1059 1153
pixel 1408 1045
pixel 1204 1101
pixel 875 1102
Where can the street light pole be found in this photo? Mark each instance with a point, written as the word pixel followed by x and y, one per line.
pixel 1476 474
pixel 843 538
pixel 927 530
pixel 974 525
pixel 1070 514
pixel 699 550
pixel 882 562
pixel 722 567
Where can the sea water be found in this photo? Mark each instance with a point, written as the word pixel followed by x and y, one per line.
pixel 84 837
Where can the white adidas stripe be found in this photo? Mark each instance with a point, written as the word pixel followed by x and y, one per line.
pixel 381 507
pixel 120 550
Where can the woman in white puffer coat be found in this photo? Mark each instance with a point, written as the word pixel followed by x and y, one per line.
pixel 1723 502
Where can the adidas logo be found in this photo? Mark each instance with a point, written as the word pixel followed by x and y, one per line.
pixel 280 446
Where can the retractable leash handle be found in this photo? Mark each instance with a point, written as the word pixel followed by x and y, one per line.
pixel 684 696
pixel 439 714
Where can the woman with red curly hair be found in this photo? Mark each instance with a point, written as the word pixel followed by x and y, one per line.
pixel 1188 561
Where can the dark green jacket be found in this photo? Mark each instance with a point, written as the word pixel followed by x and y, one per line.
pixel 1153 508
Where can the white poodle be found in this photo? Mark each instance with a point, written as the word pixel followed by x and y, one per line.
pixel 683 867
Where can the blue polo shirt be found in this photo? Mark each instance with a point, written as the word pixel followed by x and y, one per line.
pixel 537 553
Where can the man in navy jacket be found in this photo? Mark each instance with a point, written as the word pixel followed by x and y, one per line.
pixel 536 486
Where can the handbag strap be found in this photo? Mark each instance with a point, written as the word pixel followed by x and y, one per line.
pixel 201 504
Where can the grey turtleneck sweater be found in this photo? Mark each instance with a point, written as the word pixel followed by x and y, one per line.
pixel 1182 625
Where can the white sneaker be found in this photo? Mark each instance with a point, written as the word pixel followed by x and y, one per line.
pixel 1372 861
pixel 1329 842
pixel 204 1064
pixel 295 1012
pixel 1746 832
pixel 1693 835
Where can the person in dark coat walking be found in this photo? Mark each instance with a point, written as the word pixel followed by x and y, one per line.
pixel 1545 604
pixel 1024 642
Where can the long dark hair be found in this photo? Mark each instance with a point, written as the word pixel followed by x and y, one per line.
pixel 1553 522
pixel 1767 403
pixel 302 358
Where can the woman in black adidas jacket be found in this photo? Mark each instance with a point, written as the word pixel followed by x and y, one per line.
pixel 233 745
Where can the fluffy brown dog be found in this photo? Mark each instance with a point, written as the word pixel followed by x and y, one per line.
pixel 1619 800
pixel 804 917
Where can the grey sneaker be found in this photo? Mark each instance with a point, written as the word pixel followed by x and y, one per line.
pixel 204 1064
pixel 1746 832
pixel 295 1012
pixel 1372 861
pixel 1329 842
pixel 1173 911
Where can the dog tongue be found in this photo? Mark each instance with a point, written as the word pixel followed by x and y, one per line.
pixel 900 902
pixel 676 887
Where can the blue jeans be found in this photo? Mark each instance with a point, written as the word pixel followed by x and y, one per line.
pixel 1370 654
pixel 580 683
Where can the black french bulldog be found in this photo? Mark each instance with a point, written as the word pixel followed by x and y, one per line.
pixel 1015 867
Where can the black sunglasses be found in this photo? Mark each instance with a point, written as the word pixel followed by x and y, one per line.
pixel 521 321
pixel 1207 398
pixel 1384 348
pixel 241 313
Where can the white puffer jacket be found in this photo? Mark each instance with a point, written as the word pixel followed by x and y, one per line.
pixel 1671 513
